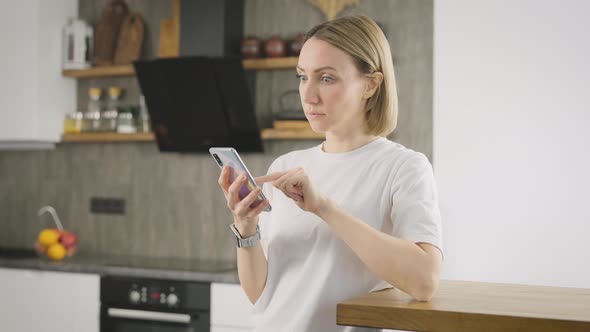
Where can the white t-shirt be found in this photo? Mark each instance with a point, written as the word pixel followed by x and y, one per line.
pixel 310 269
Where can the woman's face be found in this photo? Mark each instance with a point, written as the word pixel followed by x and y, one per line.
pixel 331 88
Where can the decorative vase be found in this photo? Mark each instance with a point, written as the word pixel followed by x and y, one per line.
pixel 275 47
pixel 296 44
pixel 250 47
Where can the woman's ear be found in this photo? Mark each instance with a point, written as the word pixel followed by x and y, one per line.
pixel 373 82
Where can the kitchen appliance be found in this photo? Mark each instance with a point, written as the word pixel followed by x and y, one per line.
pixel 211 28
pixel 198 102
pixel 151 305
pixel 77 43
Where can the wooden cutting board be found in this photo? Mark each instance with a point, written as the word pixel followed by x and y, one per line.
pixel 130 40
pixel 107 32
pixel 170 33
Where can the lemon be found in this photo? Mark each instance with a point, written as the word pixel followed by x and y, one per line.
pixel 56 252
pixel 48 237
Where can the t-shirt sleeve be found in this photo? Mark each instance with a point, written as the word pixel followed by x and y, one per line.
pixel 415 212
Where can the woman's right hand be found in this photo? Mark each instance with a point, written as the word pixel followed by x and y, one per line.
pixel 244 212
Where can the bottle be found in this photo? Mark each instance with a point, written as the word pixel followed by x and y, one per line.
pixel 143 122
pixel 73 123
pixel 111 112
pixel 125 121
pixel 92 115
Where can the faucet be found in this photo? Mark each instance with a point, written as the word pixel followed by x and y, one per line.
pixel 53 213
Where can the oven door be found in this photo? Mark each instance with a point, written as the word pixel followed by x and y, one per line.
pixel 133 320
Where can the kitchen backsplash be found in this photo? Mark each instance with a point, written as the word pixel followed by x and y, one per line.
pixel 174 207
pixel 173 204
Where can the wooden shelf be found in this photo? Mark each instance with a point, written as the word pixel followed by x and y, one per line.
pixel 265 134
pixel 110 71
pixel 103 71
pixel 272 134
pixel 270 63
pixel 106 137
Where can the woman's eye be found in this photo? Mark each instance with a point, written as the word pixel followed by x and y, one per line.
pixel 327 79
pixel 301 78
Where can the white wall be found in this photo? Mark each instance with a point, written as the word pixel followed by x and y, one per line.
pixel 512 139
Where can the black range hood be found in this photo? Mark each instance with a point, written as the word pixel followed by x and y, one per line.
pixel 198 102
pixel 202 98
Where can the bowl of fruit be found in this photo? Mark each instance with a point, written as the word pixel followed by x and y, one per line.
pixel 55 243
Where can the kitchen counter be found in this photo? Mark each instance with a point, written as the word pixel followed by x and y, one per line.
pixel 473 306
pixel 143 267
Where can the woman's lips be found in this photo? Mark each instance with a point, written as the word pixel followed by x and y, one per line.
pixel 314 115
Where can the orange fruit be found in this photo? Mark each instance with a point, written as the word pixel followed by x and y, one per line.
pixel 56 252
pixel 48 237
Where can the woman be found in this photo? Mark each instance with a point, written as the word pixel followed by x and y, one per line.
pixel 357 213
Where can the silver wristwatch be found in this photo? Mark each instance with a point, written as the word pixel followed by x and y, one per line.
pixel 247 242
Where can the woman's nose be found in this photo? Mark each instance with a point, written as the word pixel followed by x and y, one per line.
pixel 309 94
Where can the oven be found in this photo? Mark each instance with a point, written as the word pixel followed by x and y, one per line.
pixel 151 305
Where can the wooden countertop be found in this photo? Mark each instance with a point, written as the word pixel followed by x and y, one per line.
pixel 473 306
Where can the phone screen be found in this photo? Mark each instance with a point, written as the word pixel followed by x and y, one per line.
pixel 229 157
pixel 247 187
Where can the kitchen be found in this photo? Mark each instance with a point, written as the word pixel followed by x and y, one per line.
pixel 486 152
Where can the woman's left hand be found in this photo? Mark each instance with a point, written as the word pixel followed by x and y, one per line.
pixel 295 184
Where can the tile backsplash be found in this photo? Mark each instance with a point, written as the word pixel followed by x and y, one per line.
pixel 173 204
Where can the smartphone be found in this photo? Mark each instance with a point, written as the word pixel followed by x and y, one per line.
pixel 231 158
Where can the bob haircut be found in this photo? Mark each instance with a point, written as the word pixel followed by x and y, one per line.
pixel 361 38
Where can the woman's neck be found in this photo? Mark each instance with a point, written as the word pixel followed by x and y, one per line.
pixel 343 143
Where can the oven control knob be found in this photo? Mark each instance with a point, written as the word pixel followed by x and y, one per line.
pixel 134 296
pixel 172 299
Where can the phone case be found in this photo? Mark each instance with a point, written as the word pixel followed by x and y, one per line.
pixel 230 157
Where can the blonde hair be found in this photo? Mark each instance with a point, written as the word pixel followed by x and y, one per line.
pixel 364 41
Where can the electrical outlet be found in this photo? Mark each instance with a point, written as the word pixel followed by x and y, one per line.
pixel 107 205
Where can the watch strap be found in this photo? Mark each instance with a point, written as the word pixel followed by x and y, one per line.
pixel 246 242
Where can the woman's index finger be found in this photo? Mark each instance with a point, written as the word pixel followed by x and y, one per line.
pixel 269 177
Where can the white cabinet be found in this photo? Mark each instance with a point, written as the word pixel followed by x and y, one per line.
pixel 49 301
pixel 33 94
pixel 231 311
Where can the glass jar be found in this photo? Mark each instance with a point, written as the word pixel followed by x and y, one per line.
pixel 111 111
pixel 73 123
pixel 92 115
pixel 108 121
pixel 91 121
pixel 126 123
